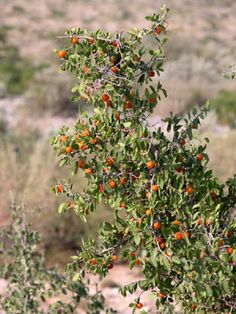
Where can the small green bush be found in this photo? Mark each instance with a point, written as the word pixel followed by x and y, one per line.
pixel 225 106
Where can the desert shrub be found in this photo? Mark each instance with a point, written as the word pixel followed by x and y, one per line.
pixel 15 71
pixel 225 106
pixel 50 94
pixel 171 214
pixel 31 284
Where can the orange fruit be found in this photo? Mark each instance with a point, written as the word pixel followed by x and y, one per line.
pixel 112 184
pixel 193 307
pixel 110 161
pixel 115 43
pixel 114 69
pixel 105 97
pixel 139 305
pixel 148 195
pixel 94 261
pixel 123 205
pixel 69 149
pixel 179 236
pixel 199 221
pixel 152 100
pixel 179 169
pixel 63 138
pixel 148 212
pixel 115 257
pixel 176 222
pixel 163 245
pixel 160 240
pixel 183 142
pixel 86 133
pixel 132 254
pixel 221 242
pixel 162 295
pixel 137 261
pixel 155 188
pixel 229 234
pixel 93 141
pixel 123 181
pixel 189 190
pixel 158 30
pixel 128 104
pixel 81 163
pixel 157 225
pixel 200 157
pixel 75 40
pixel 187 234
pixel 91 41
pixel 117 116
pixel 151 73
pixel 230 250
pixel 110 266
pixel 88 170
pixel 150 164
pixel 62 54
pixel 59 189
pixel 102 188
pixel 85 69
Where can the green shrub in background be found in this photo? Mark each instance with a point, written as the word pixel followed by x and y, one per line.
pixel 31 284
pixel 225 106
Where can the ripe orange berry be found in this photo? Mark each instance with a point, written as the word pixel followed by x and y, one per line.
pixel 102 188
pixel 229 234
pixel 115 257
pixel 152 100
pixel 139 221
pixel 115 43
pixel 189 190
pixel 193 307
pixel 132 254
pixel 183 142
pixel 158 30
pixel 139 305
pixel 163 245
pixel 160 240
pixel 137 261
pixel 110 266
pixel 105 97
pixel 63 138
pixel 128 105
pixel 123 205
pixel 151 73
pixel 157 225
pixel 94 261
pixel 91 41
pixel 86 133
pixel 117 116
pixel 112 184
pixel 155 188
pixel 162 295
pixel 200 157
pixel 148 195
pixel 230 250
pixel 150 164
pixel 60 189
pixel 179 236
pixel 179 169
pixel 187 234
pixel 75 40
pixel 88 170
pixel 199 221
pixel 221 242
pixel 148 212
pixel 85 69
pixel 110 161
pixel 62 54
pixel 114 69
pixel 81 163
pixel 93 141
pixel 176 222
pixel 207 222
pixel 123 181
pixel 69 149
